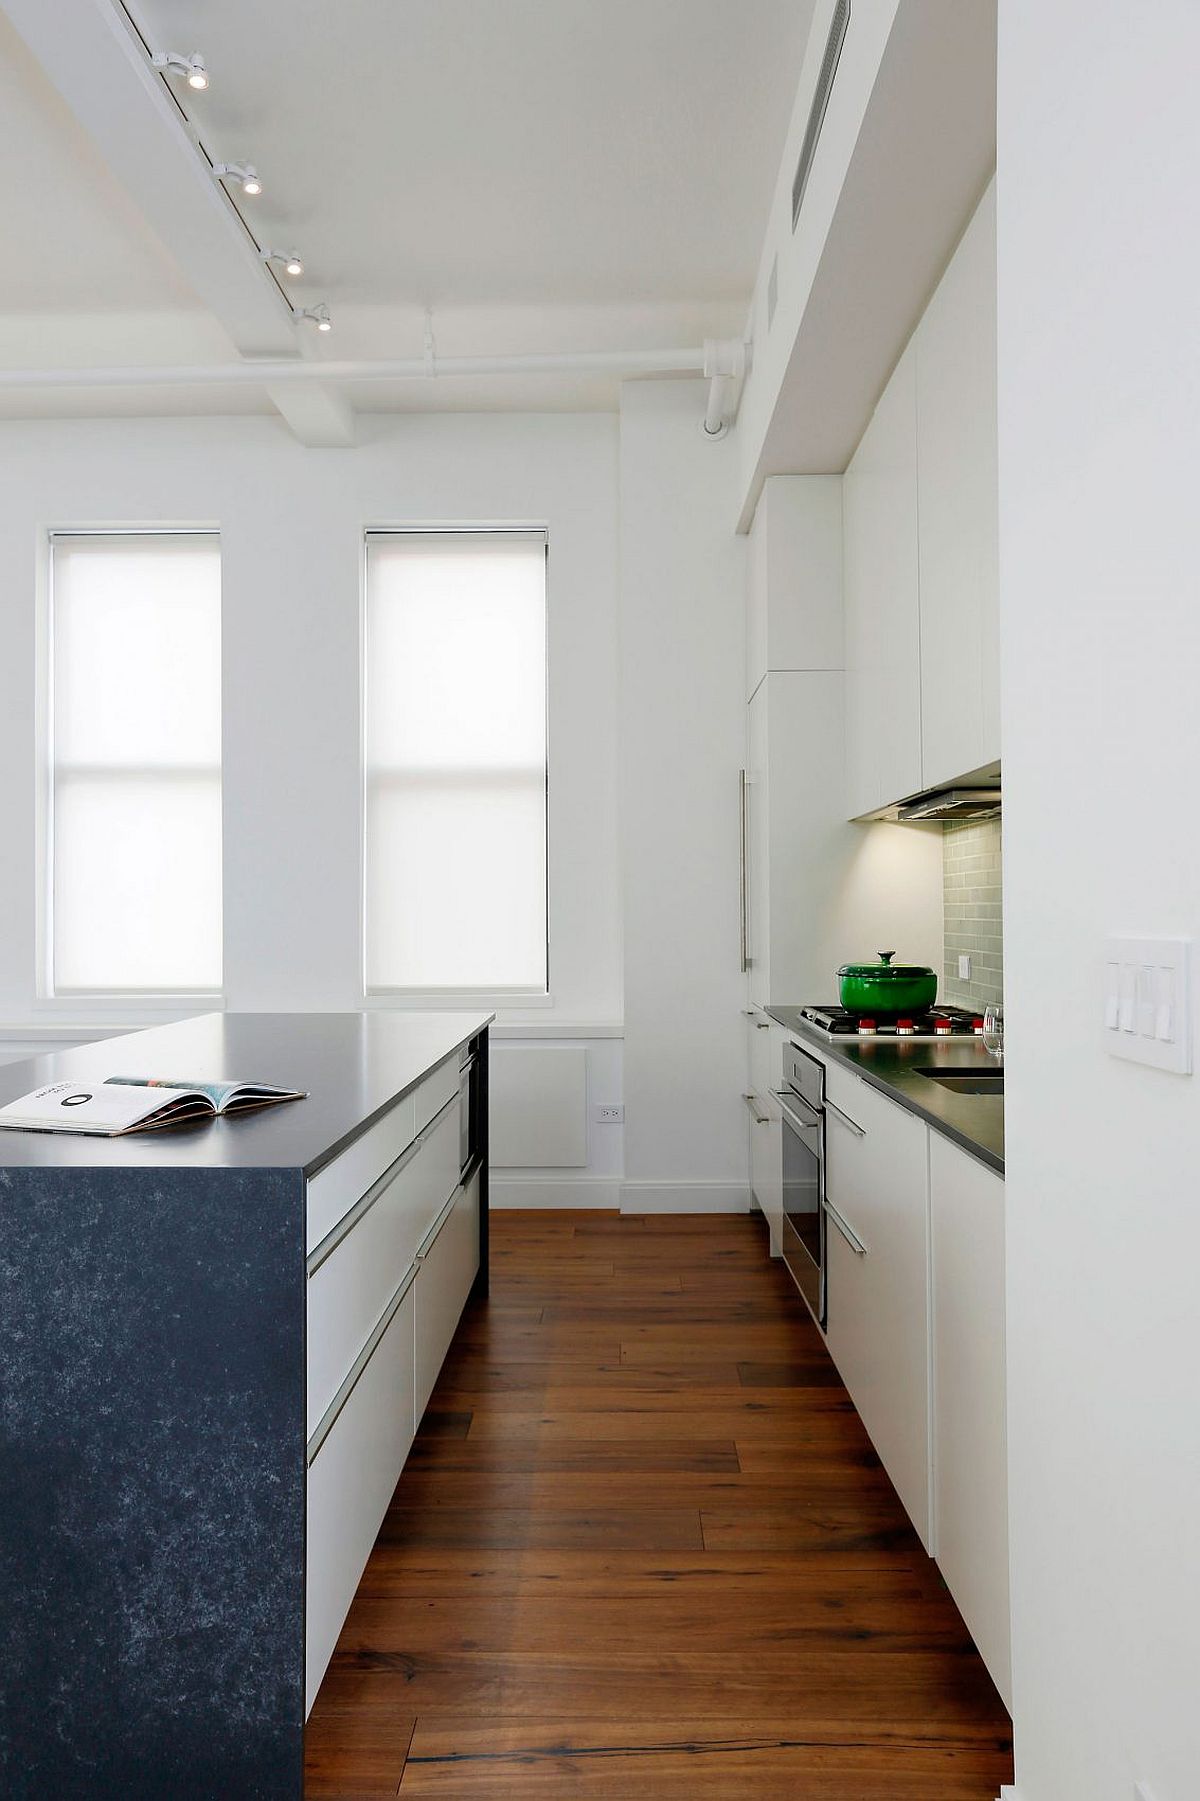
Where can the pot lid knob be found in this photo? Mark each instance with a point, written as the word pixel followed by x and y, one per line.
pixel 885 956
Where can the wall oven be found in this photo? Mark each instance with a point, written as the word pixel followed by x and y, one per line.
pixel 802 1101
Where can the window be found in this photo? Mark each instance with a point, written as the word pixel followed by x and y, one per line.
pixel 134 781
pixel 455 762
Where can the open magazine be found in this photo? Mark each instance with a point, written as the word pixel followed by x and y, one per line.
pixel 122 1104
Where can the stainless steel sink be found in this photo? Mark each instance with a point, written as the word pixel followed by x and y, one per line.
pixel 967 1081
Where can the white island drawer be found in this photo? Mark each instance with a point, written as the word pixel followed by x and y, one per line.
pixel 356 1272
pixel 338 1187
pixel 350 1482
pixel 448 1269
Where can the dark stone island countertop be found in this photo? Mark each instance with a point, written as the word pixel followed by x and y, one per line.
pixel 351 1066
pixel 893 1065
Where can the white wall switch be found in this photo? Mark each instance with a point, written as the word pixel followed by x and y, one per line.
pixel 608 1115
pixel 964 969
pixel 1145 1005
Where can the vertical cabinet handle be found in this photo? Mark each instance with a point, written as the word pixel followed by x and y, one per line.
pixel 743 833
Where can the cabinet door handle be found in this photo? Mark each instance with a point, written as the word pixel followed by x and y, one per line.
pixel 743 831
pixel 853 1126
pixel 760 1118
pixel 848 1233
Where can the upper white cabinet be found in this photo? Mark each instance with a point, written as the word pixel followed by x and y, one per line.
pixel 797 834
pixel 920 546
pixel 971 1462
pixel 957 510
pixel 882 602
pixel 794 598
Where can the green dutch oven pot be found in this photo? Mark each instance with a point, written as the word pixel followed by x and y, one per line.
pixel 887 987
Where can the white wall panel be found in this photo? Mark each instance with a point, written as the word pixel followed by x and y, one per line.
pixel 538 1107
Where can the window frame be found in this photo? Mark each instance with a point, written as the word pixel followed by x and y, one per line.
pixel 385 996
pixel 81 1001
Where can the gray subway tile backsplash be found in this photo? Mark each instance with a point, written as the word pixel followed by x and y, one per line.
pixel 972 907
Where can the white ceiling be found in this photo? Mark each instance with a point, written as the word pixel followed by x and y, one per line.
pixel 542 173
pixel 73 240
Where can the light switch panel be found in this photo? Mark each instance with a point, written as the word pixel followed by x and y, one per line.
pixel 1145 1004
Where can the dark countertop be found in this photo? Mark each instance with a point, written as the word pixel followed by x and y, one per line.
pixel 974 1121
pixel 352 1065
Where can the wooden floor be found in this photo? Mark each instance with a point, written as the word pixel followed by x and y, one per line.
pixel 643 1549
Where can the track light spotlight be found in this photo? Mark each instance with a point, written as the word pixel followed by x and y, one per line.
pixel 192 68
pixel 245 173
pixel 291 262
pixel 316 315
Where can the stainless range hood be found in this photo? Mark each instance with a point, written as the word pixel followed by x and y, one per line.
pixel 950 804
pixel 972 796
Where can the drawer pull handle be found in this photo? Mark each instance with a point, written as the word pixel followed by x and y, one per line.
pixel 845 1119
pixel 759 1117
pixel 848 1233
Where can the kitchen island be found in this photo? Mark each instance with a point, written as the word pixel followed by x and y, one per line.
pixel 215 1345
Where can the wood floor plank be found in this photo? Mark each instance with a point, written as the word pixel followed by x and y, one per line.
pixel 513 1528
pixel 864 1697
pixel 354 1754
pixel 833 1499
pixel 550 1758
pixel 636 1456
pixel 680 1623
pixel 726 1579
pixel 644 1550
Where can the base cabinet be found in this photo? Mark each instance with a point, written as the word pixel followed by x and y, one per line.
pixel 878 1331
pixel 350 1482
pixel 971 1460
pixel 447 1270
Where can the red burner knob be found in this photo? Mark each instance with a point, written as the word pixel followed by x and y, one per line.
pixel 942 1028
pixel 866 1028
pixel 977 1026
pixel 905 1028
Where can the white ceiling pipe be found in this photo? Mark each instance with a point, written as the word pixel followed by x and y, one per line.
pixel 260 372
pixel 725 367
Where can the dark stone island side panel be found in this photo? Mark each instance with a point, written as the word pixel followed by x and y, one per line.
pixel 152 1431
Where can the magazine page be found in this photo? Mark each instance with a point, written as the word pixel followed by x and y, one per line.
pixel 226 1097
pixel 103 1109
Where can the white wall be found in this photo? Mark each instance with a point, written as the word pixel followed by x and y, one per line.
pixel 1099 406
pixel 291 523
pixel 682 743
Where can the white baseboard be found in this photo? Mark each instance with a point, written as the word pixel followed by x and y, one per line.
pixel 685 1197
pixel 583 1192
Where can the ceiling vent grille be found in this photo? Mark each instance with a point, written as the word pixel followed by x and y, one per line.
pixel 816 117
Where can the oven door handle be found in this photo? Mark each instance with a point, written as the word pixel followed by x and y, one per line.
pixel 789 1102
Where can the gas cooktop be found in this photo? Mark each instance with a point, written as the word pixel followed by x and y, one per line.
pixel 836 1022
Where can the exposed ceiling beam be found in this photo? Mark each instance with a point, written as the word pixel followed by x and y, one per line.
pixel 97 64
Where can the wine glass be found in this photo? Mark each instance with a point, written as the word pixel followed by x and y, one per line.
pixel 993 1030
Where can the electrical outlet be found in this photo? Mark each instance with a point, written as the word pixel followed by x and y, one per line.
pixel 964 969
pixel 609 1116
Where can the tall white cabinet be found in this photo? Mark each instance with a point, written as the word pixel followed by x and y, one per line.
pixel 957 513
pixel 920 547
pixel 883 627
